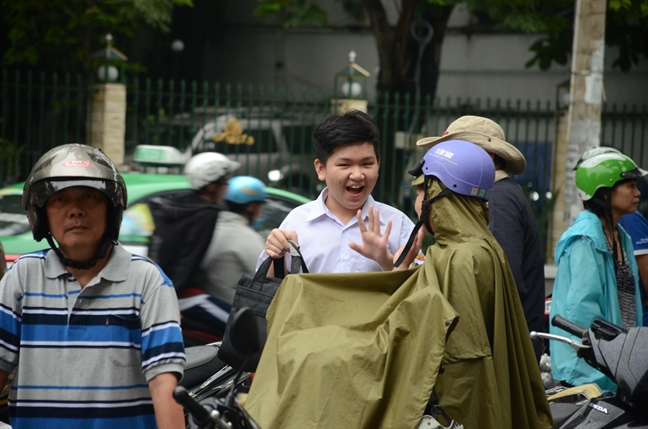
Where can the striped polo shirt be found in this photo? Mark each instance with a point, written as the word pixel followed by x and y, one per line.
pixel 85 356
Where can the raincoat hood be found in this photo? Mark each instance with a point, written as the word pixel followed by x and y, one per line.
pixel 456 218
pixel 582 226
pixel 180 208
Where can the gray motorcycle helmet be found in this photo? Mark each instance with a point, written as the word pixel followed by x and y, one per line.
pixel 73 165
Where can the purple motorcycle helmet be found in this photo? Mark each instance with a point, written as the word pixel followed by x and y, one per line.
pixel 464 168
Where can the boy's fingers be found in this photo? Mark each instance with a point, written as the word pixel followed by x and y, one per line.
pixel 361 224
pixel 376 221
pixel 387 229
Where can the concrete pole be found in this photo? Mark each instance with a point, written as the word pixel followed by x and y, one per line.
pixel 107 120
pixel 586 95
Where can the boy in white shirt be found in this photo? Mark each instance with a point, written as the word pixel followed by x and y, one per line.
pixel 328 229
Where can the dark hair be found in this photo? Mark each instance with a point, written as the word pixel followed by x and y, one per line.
pixel 338 130
pixel 499 162
pixel 237 208
pixel 599 204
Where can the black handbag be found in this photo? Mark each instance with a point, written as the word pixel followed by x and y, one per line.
pixel 256 292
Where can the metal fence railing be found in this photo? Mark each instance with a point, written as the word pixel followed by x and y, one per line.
pixel 39 111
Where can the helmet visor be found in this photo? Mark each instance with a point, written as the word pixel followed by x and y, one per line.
pixel 42 190
pixel 637 173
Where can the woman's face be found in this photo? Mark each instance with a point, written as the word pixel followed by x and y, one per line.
pixel 625 197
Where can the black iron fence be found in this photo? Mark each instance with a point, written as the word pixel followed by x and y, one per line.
pixel 271 128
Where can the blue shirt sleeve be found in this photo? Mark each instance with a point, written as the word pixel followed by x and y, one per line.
pixel 637 228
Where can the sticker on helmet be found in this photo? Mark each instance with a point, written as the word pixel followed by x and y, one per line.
pixel 77 163
pixel 444 153
pixel 474 191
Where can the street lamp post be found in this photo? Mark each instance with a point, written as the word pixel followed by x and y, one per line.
pixel 177 46
pixel 106 125
pixel 350 88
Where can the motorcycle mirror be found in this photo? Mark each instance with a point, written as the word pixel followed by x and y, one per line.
pixel 244 332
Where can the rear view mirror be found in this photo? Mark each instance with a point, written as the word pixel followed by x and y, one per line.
pixel 244 332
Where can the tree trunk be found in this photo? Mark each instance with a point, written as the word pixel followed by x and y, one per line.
pixel 398 53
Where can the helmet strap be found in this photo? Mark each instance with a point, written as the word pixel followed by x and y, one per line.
pixel 424 219
pixel 103 250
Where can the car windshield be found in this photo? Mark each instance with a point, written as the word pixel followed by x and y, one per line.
pixel 13 219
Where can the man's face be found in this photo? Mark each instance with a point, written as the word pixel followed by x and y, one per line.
pixel 350 174
pixel 77 220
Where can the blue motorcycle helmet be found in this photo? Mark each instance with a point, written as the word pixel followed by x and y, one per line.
pixel 245 189
pixel 462 167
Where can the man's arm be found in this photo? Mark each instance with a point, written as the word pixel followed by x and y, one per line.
pixel 168 413
pixel 4 376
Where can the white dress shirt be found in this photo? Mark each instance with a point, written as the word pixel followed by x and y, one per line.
pixel 324 239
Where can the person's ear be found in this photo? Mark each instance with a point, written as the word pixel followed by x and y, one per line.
pixel 320 169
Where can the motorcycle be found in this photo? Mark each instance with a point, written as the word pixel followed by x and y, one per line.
pixel 619 354
pixel 212 404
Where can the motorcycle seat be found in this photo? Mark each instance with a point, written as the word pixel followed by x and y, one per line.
pixel 202 363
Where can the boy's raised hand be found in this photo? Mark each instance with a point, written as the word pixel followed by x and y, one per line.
pixel 277 243
pixel 374 245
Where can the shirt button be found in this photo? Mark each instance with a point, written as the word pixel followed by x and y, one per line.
pixel 344 258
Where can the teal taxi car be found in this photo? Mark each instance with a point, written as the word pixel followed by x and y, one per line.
pixel 145 194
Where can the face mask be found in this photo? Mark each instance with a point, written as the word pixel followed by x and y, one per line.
pixel 259 222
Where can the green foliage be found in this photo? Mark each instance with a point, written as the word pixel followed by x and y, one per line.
pixel 294 12
pixel 627 23
pixel 64 33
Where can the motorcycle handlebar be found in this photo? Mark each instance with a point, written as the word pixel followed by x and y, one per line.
pixel 569 326
pixel 201 415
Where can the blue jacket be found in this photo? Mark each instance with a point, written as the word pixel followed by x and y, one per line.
pixel 585 288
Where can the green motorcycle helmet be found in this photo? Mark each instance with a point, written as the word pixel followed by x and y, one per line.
pixel 604 170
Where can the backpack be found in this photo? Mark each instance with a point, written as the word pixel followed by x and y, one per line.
pixel 184 226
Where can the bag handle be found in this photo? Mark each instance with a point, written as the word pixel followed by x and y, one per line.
pixel 297 264
pixel 297 259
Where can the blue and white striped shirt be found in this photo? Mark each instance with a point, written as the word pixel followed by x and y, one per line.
pixel 85 356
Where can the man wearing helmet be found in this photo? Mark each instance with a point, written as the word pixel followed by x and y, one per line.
pixel 184 229
pixel 87 304
pixel 595 277
pixel 236 245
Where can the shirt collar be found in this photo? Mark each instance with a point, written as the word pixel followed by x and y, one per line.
pixel 500 175
pixel 319 209
pixel 116 269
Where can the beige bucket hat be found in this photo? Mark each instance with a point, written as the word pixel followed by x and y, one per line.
pixel 484 133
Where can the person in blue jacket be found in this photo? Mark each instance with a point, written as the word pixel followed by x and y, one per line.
pixel 636 226
pixel 597 273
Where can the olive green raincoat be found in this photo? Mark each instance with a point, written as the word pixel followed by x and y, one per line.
pixel 491 377
pixel 351 351
pixel 364 350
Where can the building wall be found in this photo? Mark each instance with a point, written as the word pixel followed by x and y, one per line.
pixel 259 52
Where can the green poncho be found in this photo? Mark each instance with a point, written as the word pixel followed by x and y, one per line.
pixel 364 350
pixel 351 351
pixel 491 377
